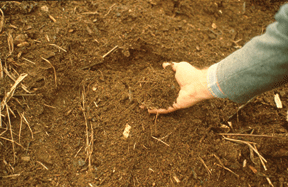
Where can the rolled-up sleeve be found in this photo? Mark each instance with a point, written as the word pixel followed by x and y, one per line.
pixel 260 65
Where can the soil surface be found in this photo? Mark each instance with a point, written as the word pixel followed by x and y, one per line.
pixel 90 69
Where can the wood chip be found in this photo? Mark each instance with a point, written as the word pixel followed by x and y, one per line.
pixel 126 131
pixel 278 101
pixel 52 18
pixel 176 179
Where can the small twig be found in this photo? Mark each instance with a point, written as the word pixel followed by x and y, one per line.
pixel 228 170
pixel 27 123
pixel 238 141
pixel 247 143
pixel 11 110
pixel 165 136
pixel 240 108
pixel 109 10
pixel 251 135
pixel 252 155
pixel 90 13
pixel 209 172
pixel 49 106
pixel 55 76
pixel 262 159
pixel 12 90
pixel 15 72
pixel 89 144
pixel 110 51
pixel 10 168
pixel 78 152
pixel 14 175
pixel 6 129
pixel 160 141
pixel 58 47
pixel 20 126
pixel 12 141
pixel 224 167
pixel 2 20
pixel 42 165
pixel 101 60
pixel 28 60
pixel 52 18
pixel 269 181
pixel 13 26
pixel 10 43
pixel 13 78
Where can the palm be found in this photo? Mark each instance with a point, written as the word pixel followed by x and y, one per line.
pixel 192 89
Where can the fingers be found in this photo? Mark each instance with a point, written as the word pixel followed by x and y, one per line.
pixel 176 65
pixel 172 64
pixel 161 111
pixel 165 64
pixel 164 111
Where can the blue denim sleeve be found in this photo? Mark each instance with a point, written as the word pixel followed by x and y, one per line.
pixel 260 65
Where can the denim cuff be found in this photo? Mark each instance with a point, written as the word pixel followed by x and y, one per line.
pixel 212 81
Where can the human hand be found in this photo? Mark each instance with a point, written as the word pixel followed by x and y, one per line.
pixel 193 87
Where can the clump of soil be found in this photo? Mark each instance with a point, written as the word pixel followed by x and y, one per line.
pixel 157 88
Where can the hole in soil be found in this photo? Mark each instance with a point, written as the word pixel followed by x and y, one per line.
pixel 137 60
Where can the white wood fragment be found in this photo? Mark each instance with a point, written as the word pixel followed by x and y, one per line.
pixel 244 163
pixel 230 124
pixel 269 181
pixel 224 126
pixel 126 131
pixel 278 101
pixel 25 158
pixel 176 179
pixel 45 8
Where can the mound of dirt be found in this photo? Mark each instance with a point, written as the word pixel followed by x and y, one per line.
pixel 157 88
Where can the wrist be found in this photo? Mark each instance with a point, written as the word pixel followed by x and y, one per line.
pixel 212 82
pixel 205 93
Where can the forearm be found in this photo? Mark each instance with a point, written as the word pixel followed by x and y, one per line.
pixel 259 66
